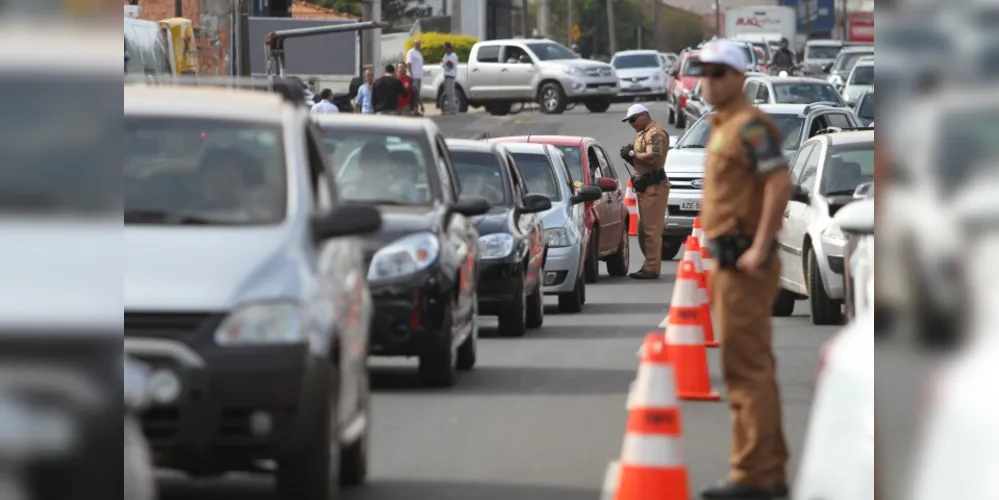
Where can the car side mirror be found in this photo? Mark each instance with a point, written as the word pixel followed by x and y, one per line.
pixel 856 217
pixel 470 206
pixel 586 194
pixel 606 185
pixel 673 141
pixel 534 203
pixel 799 195
pixel 674 73
pixel 850 103
pixel 346 220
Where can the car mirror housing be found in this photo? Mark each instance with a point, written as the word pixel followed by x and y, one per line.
pixel 347 220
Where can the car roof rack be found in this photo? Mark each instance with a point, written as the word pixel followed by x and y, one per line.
pixel 291 89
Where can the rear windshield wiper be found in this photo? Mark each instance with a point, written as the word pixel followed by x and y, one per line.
pixel 164 217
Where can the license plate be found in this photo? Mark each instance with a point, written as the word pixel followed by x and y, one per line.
pixel 636 85
pixel 605 87
pixel 690 206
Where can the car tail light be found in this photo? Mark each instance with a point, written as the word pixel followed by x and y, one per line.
pixel 683 101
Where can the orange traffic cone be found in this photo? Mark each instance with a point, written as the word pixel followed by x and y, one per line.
pixel 698 231
pixel 652 465
pixel 631 201
pixel 707 261
pixel 685 338
pixel 693 253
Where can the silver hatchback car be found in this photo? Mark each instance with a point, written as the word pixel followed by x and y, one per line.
pixel 543 169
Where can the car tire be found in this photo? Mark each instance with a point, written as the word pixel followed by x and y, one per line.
pixel 312 472
pixel 468 351
pixel 437 364
pixel 498 109
pixel 783 304
pixel 825 311
pixel 681 119
pixel 591 266
pixel 598 105
pixel 354 457
pixel 513 321
pixel 535 309
pixel 618 262
pixel 459 96
pixel 551 98
pixel 573 301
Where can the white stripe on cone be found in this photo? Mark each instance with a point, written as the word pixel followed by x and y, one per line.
pixel 660 377
pixel 611 479
pixel 685 294
pixel 684 335
pixel 694 257
pixel 644 450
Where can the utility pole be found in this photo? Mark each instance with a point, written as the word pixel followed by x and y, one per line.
pixel 443 7
pixel 611 30
pixel 243 30
pixel 570 13
pixel 371 10
pixel 543 18
pixel 524 32
pixel 656 29
pixel 718 13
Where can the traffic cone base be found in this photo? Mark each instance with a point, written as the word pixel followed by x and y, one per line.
pixel 685 337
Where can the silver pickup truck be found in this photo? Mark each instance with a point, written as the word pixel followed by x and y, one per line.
pixel 500 73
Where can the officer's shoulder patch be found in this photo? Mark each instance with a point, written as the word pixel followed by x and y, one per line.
pixel 763 145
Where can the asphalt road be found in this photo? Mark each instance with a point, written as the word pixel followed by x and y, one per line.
pixel 541 417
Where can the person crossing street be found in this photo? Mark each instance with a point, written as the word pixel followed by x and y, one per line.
pixel 449 65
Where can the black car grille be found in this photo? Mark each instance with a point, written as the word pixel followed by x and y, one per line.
pixel 169 325
pixel 673 210
pixel 686 182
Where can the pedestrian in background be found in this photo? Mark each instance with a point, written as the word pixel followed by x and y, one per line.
pixel 364 102
pixel 449 65
pixel 414 63
pixel 386 92
pixel 325 104
pixel 648 155
pixel 405 103
pixel 746 189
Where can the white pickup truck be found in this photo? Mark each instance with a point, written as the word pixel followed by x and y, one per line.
pixel 500 73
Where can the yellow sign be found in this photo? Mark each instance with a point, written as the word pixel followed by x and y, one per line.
pixel 575 32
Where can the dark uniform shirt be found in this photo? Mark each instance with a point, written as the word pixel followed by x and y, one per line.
pixel 385 93
pixel 783 58
pixel 652 139
pixel 744 148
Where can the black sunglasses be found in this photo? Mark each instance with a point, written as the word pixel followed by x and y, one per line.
pixel 714 71
pixel 633 119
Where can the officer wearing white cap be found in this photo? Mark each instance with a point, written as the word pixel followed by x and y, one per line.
pixel 746 188
pixel 648 155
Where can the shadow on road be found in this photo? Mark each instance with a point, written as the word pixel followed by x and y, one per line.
pixel 433 490
pixel 504 380
pixel 626 308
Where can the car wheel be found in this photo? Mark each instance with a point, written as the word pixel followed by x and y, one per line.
pixel 437 363
pixel 552 99
pixel 783 304
pixel 468 350
pixel 598 105
pixel 536 309
pixel 572 302
pixel 681 119
pixel 618 263
pixel 825 311
pixel 312 472
pixel 498 109
pixel 354 457
pixel 513 321
pixel 591 267
pixel 671 248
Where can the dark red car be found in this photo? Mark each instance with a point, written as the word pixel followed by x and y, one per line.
pixel 682 79
pixel 606 218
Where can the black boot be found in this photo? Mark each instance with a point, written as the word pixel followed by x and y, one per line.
pixel 728 490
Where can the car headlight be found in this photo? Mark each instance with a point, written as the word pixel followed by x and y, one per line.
pixel 657 77
pixel 573 71
pixel 262 323
pixel 495 246
pixel 404 256
pixel 559 237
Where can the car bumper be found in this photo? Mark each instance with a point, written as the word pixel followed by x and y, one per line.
pixel 227 395
pixel 561 269
pixel 498 285
pixel 644 89
pixel 683 207
pixel 409 313
pixel 583 88
pixel 831 267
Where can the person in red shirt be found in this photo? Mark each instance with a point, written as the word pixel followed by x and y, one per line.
pixel 405 103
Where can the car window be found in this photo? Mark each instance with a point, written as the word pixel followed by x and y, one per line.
pixel 692 66
pixel 798 162
pixel 763 94
pixel 866 109
pixel 846 60
pixel 862 75
pixel 220 171
pixel 488 54
pixel 519 191
pixel 790 129
pixel 539 178
pixel 805 93
pixel 839 120
pixel 606 167
pixel 480 174
pixel 821 51
pixel 574 160
pixel 632 61
pixel 322 192
pixel 560 163
pixel 846 167
pixel 449 183
pixel 808 180
pixel 697 135
pixel 750 89
pixel 514 54
pixel 551 51
pixel 376 167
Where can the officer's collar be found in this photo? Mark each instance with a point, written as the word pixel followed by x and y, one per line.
pixel 652 123
pixel 723 115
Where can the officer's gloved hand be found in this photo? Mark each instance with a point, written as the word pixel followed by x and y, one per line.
pixel 626 152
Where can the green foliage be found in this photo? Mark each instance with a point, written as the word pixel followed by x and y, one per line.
pixel 677 28
pixel 392 10
pixel 433 45
pixel 352 7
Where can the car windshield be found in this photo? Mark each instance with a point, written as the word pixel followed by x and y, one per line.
pixel 377 167
pixel 846 61
pixel 479 175
pixel 631 61
pixel 847 166
pixel 790 129
pixel 182 171
pixel 966 146
pixel 866 109
pixel 574 160
pixel 539 178
pixel 822 52
pixel 698 134
pixel 58 150
pixel 550 51
pixel 692 66
pixel 862 75
pixel 805 93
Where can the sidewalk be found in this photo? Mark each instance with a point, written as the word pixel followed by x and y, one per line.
pixel 430 109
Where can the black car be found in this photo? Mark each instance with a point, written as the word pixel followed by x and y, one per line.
pixel 511 235
pixel 422 264
pixel 865 109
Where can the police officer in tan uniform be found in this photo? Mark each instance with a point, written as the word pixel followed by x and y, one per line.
pixel 648 155
pixel 746 188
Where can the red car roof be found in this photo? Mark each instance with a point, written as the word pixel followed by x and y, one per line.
pixel 554 140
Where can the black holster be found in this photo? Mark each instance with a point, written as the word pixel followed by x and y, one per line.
pixel 726 250
pixel 643 181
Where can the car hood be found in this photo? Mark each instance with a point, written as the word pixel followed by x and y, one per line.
pixel 638 72
pixel 685 161
pixel 688 82
pixel 182 268
pixel 493 222
pixel 401 221
pixel 557 216
pixel 583 64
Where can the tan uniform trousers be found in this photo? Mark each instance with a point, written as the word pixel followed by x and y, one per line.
pixel 743 304
pixel 652 213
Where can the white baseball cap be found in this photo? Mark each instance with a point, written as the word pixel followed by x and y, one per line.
pixel 634 110
pixel 725 52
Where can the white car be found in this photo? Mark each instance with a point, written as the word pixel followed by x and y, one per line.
pixel 860 80
pixel 838 458
pixel 641 74
pixel 827 173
